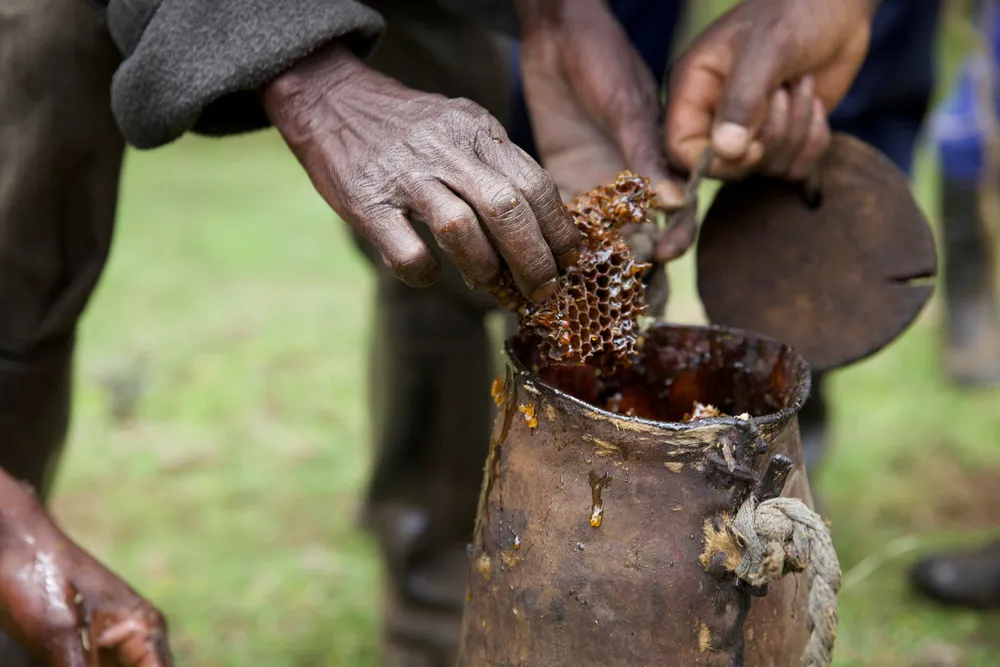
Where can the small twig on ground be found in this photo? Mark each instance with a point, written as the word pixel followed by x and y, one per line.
pixel 873 562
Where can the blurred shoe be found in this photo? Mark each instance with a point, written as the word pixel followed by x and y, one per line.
pixel 422 624
pixel 963 578
pixel 425 592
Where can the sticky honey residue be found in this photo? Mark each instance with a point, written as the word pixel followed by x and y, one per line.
pixel 509 559
pixel 704 638
pixel 597 484
pixel 717 539
pixel 702 411
pixel 496 391
pixel 529 415
pixel 483 565
pixel 594 315
pixel 596 515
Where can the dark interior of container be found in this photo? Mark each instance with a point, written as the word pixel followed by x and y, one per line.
pixel 677 368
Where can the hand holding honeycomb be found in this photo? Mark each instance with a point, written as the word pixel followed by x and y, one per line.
pixel 593 317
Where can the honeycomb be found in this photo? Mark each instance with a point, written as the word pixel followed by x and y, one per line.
pixel 702 411
pixel 594 316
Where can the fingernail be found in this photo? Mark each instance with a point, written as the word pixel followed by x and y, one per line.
pixel 545 291
pixel 670 195
pixel 730 140
pixel 569 258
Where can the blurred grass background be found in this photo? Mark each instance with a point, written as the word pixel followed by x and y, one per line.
pixel 235 313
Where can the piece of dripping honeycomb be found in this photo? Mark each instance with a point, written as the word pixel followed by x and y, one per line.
pixel 702 411
pixel 594 316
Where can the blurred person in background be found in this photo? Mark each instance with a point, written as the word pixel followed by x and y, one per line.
pixel 422 124
pixel 965 129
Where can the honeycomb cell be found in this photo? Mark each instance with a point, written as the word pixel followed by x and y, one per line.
pixel 593 317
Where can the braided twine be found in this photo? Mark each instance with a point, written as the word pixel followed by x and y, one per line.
pixel 782 535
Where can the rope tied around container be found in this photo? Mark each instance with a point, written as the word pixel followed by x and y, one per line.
pixel 782 535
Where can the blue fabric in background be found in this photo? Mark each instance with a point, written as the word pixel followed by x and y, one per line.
pixel 886 106
pixel 956 125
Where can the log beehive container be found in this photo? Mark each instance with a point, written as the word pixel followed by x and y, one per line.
pixel 592 524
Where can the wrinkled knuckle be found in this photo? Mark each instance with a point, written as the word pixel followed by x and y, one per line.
pixel 459 226
pixel 503 202
pixel 538 186
pixel 410 263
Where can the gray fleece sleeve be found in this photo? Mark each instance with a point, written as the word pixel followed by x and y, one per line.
pixel 195 64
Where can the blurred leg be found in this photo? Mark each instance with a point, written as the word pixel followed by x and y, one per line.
pixel 971 351
pixel 885 107
pixel 431 368
pixel 969 578
pixel 60 154
pixel 431 371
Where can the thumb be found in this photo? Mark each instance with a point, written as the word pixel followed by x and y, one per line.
pixel 755 72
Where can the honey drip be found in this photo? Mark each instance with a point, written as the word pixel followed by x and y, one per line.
pixel 597 484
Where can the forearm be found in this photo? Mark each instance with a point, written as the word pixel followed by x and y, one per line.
pixel 196 65
pixel 284 95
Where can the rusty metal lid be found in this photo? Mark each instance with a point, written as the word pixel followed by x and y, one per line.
pixel 838 277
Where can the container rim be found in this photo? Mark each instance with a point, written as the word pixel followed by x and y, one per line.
pixel 800 391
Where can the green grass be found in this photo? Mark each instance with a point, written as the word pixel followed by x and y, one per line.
pixel 230 498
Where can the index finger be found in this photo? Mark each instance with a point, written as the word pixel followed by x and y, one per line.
pixel 542 195
pixel 513 226
pixel 702 88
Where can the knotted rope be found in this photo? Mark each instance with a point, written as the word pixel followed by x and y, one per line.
pixel 782 535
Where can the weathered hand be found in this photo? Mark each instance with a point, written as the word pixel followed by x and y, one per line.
pixel 757 83
pixel 594 104
pixel 60 603
pixel 590 95
pixel 383 155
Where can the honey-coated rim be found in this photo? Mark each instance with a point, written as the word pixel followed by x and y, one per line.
pixel 800 391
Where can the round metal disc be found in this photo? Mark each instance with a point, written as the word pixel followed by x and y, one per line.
pixel 837 280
